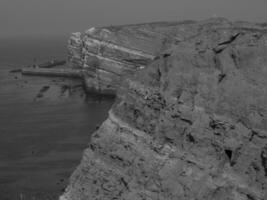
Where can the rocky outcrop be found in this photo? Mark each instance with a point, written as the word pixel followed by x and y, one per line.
pixel 191 125
pixel 109 53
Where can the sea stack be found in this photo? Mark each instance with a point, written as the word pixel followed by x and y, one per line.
pixel 190 120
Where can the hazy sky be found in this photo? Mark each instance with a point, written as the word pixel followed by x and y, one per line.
pixel 61 17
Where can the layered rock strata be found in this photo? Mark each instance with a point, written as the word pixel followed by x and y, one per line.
pixel 192 125
pixel 109 53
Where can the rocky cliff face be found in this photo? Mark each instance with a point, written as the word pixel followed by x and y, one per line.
pixel 191 125
pixel 110 53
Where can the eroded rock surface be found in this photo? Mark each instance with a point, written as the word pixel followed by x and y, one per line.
pixel 109 53
pixel 191 125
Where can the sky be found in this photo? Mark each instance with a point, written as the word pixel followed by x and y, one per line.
pixel 62 17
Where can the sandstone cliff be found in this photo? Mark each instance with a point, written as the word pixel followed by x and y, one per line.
pixel 190 125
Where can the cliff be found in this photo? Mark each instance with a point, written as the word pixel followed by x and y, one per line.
pixel 190 125
pixel 109 53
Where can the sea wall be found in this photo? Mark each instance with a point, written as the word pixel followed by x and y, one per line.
pixel 191 125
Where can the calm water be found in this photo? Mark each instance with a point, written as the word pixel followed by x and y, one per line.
pixel 43 131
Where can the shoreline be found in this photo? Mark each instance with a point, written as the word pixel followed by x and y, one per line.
pixel 45 124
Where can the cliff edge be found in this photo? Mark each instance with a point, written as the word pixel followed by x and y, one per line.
pixel 106 54
pixel 192 124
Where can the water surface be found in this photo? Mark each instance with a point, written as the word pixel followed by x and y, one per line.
pixel 45 123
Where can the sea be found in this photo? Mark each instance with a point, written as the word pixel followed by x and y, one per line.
pixel 45 122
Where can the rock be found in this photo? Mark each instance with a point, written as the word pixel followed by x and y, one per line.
pixel 43 90
pixel 110 53
pixel 190 125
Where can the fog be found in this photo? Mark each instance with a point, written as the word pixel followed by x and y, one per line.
pixel 61 17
